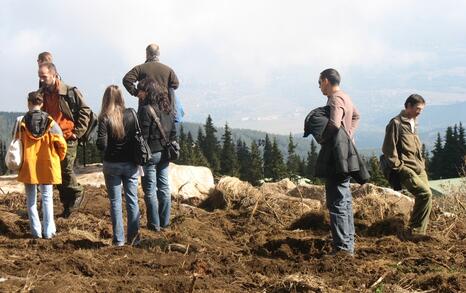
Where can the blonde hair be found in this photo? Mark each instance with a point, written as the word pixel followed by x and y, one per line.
pixel 113 106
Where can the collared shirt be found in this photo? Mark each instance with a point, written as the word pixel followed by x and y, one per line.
pixel 413 124
pixel 52 107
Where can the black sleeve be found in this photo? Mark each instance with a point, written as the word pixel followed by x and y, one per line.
pixel 145 122
pixel 102 135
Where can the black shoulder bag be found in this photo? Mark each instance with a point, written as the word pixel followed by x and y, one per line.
pixel 141 150
pixel 172 147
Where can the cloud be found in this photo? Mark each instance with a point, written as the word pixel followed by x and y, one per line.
pixel 236 57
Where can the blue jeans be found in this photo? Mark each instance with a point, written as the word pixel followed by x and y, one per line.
pixel 46 191
pixel 157 191
pixel 340 206
pixel 115 174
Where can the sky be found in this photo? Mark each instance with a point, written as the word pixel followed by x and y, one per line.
pixel 253 64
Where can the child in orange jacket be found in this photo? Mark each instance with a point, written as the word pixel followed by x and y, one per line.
pixel 43 149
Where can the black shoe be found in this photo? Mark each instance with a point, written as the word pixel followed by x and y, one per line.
pixel 66 213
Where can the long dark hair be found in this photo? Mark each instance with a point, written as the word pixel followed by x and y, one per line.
pixel 157 95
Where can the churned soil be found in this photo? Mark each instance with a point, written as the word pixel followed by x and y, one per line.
pixel 271 249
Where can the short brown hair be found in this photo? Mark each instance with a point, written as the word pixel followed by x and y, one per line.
pixel 36 98
pixel 414 100
pixel 50 66
pixel 44 57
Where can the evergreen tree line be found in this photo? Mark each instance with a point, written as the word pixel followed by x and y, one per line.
pixel 260 160
pixel 263 159
pixel 3 168
pixel 448 155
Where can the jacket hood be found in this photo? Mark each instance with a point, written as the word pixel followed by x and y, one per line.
pixel 36 123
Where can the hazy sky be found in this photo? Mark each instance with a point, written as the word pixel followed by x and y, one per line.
pixel 254 64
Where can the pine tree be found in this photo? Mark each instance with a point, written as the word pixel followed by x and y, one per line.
pixel 184 148
pixel 229 161
pixel 255 166
pixel 196 157
pixel 436 163
pixel 311 161
pixel 377 176
pixel 462 138
pixel 244 160
pixel 293 161
pixel 190 145
pixel 3 168
pixel 302 167
pixel 210 147
pixel 278 165
pixel 200 138
pixel 462 149
pixel 88 154
pixel 450 169
pixel 268 157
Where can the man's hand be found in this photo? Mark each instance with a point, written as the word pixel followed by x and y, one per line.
pixel 142 95
pixel 73 137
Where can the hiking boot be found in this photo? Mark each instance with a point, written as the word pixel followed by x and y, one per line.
pixel 66 213
pixel 78 202
pixel 413 235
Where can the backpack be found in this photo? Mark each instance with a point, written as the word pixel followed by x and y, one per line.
pixel 391 175
pixel 91 126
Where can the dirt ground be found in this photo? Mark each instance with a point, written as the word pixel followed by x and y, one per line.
pixel 229 250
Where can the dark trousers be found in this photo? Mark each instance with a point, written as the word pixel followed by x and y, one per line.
pixel 70 189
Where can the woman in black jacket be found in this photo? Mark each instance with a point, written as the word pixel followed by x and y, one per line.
pixel 116 128
pixel 155 183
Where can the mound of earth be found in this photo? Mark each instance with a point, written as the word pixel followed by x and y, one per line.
pixel 239 239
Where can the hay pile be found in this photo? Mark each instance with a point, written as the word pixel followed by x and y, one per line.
pixel 289 203
pixel 232 193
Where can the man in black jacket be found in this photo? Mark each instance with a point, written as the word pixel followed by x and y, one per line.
pixel 152 68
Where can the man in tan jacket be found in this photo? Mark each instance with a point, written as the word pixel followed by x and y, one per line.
pixel 402 149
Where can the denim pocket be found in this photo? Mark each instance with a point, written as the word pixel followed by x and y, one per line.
pixel 112 168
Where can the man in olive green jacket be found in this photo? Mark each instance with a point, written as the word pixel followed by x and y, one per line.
pixel 402 149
